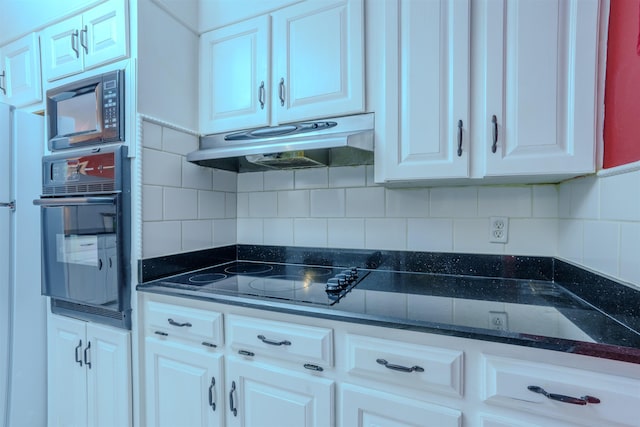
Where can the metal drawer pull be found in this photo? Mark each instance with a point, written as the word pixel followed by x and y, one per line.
pixel 246 353
pixel 313 367
pixel 208 344
pixel 271 342
pixel 174 323
pixel 162 334
pixel 281 94
pixel 459 138
pixel 494 146
pixel 84 42
pixel 2 88
pixel 87 354
pixel 212 390
pixel 78 358
pixel 232 405
pixel 562 398
pixel 261 95
pixel 399 367
pixel 74 43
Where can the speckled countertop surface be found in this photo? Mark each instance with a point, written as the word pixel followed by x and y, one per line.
pixel 549 303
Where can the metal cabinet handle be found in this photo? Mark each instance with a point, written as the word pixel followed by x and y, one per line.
pixel 83 40
pixel 459 138
pixel 12 204
pixel 180 325
pixel 74 43
pixel 87 361
pixel 282 93
pixel 399 367
pixel 162 334
pixel 232 405
pixel 272 342
pixel 261 95
pixel 78 358
pixel 494 146
pixel 2 88
pixel 313 367
pixel 562 398
pixel 212 398
pixel 246 353
pixel 208 344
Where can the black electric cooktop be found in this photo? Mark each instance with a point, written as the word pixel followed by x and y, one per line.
pixel 291 282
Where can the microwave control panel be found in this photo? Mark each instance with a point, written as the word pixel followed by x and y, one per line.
pixel 110 110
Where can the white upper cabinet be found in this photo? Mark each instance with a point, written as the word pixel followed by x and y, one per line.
pixel 318 60
pixel 86 41
pixel 519 75
pixel 20 82
pixel 540 76
pixel 427 106
pixel 235 76
pixel 304 62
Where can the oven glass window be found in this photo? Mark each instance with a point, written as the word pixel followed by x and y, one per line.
pixel 81 253
pixel 78 114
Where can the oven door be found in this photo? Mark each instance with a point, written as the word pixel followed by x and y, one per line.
pixel 82 250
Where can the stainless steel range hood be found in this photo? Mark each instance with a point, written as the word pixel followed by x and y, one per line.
pixel 341 141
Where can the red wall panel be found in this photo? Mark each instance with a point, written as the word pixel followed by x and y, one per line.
pixel 622 86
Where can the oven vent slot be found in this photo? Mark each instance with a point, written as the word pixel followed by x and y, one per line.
pixel 89 312
pixel 107 187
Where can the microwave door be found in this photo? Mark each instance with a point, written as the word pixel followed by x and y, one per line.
pixel 80 250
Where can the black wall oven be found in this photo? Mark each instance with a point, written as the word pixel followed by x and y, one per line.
pixel 85 216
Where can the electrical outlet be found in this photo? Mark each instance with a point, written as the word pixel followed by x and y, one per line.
pixel 498 229
pixel 498 321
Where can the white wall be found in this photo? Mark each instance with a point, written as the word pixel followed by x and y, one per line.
pixel 185 207
pixel 599 224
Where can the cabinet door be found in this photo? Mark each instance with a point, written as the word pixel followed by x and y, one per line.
pixel 21 66
pixel 541 77
pixel 108 376
pixel 318 54
pixel 104 33
pixel 183 385
pixel 371 408
pixel 235 77
pixel 261 395
pixel 61 50
pixel 67 377
pixel 427 69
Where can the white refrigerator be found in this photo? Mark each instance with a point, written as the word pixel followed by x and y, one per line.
pixel 23 376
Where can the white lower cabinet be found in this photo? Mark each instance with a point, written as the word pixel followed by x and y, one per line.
pixel 89 374
pixel 372 408
pixel 183 385
pixel 261 395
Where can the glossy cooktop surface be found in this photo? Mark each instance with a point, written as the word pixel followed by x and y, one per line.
pixel 291 282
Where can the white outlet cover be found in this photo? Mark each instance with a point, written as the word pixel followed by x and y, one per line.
pixel 498 229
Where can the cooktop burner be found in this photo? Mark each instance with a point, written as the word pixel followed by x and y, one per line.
pixel 293 282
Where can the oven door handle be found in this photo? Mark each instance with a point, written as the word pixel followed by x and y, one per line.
pixel 72 201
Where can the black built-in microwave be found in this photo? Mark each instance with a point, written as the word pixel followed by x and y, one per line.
pixel 86 112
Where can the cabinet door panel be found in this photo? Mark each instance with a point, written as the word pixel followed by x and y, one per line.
pixel 266 395
pixel 541 87
pixel 318 51
pixel 21 65
pixel 429 106
pixel 67 378
pixel 106 35
pixel 61 54
pixel 178 380
pixel 371 408
pixel 108 376
pixel 235 76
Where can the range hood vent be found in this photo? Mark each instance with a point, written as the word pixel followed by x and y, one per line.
pixel 341 141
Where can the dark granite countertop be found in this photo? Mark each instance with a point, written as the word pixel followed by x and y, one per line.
pixel 541 302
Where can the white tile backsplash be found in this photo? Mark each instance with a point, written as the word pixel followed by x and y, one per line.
pixel 593 221
pixel 327 203
pixel 365 202
pixel 453 202
pixel 180 203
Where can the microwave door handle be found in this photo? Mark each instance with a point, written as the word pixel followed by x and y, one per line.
pixel 72 201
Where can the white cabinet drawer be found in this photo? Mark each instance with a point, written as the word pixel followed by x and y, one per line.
pixel 307 344
pixel 195 324
pixel 508 382
pixel 412 365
